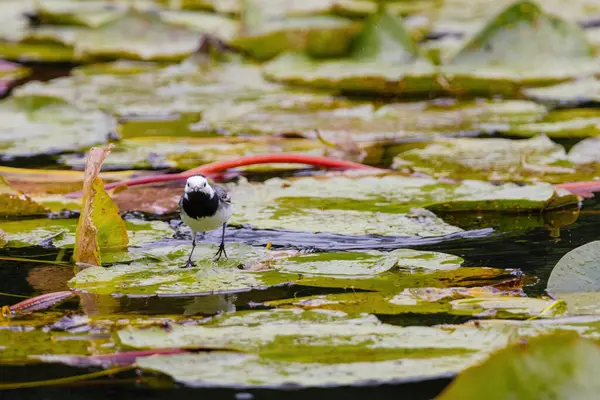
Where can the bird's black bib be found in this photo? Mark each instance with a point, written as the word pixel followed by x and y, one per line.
pixel 199 205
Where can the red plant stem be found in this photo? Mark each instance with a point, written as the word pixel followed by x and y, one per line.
pixel 40 302
pixel 220 166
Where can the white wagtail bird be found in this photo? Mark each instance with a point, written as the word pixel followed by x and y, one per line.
pixel 205 207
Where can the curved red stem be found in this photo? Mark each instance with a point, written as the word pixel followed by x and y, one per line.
pixel 220 166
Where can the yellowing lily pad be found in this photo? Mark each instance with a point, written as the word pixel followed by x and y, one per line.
pixel 389 205
pixel 13 203
pixel 37 125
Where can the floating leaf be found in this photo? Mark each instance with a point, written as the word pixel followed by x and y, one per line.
pixel 247 268
pixel 578 123
pixel 384 59
pixel 36 125
pixel 476 301
pixel 390 205
pixel 333 117
pixel 161 94
pixel 61 232
pixel 531 160
pixel 516 48
pixel 268 31
pixel 568 94
pixel 524 370
pixel 577 271
pixel 309 353
pixel 13 203
pixel 100 226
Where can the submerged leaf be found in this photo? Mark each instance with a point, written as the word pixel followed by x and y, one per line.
pixel 100 226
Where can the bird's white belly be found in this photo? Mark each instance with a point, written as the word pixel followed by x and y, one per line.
pixel 207 223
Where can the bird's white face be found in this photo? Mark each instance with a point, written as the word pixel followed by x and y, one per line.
pixel 198 183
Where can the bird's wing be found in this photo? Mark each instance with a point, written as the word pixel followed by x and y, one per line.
pixel 222 194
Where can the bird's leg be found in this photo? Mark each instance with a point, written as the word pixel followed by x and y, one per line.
pixel 221 250
pixel 189 262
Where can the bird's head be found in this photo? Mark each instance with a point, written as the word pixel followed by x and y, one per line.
pixel 198 184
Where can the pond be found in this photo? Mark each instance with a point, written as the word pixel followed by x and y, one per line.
pixel 412 187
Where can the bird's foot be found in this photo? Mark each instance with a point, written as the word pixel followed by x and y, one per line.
pixel 220 252
pixel 189 264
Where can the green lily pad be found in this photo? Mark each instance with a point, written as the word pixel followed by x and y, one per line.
pixel 247 268
pixel 580 91
pixel 25 345
pixel 524 370
pixel 576 123
pixel 521 46
pixel 309 353
pixel 215 25
pixel 302 113
pixel 319 36
pixel 585 153
pixel 457 301
pixel 383 59
pixel 577 271
pixel 61 232
pixel 36 125
pixel 530 160
pixel 389 205
pixel 166 93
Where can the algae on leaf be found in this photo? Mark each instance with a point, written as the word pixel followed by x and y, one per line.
pixel 39 125
pixel 521 46
pixel 390 205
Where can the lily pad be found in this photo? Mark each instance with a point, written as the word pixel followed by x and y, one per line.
pixel 60 233
pixel 307 353
pixel 577 271
pixel 13 203
pixel 477 301
pixel 9 73
pixel 559 124
pixel 525 369
pixel 267 32
pixel 389 205
pixel 37 125
pixel 383 59
pixel 166 93
pixel 568 94
pixel 247 268
pixel 521 46
pixel 303 114
pixel 531 160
